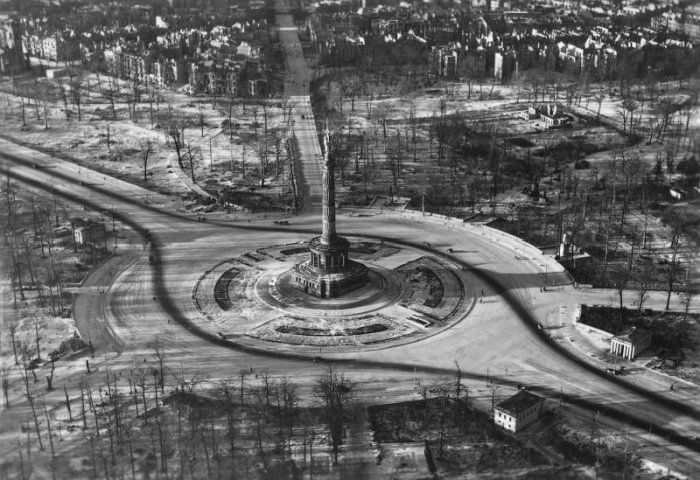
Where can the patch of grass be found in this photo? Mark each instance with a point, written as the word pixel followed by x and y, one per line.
pixel 322 332
pixel 485 457
pixel 612 460
pixel 471 441
pixel 435 287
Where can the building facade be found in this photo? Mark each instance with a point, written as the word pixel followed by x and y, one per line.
pixel 518 411
pixel 89 233
pixel 628 346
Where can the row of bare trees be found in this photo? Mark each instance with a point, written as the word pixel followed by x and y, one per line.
pixel 612 209
pixel 33 251
pixel 79 90
pixel 152 420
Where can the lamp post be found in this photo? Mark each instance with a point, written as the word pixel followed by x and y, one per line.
pixel 114 230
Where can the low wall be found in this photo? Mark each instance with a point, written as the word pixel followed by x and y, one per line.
pixel 588 328
pixel 520 247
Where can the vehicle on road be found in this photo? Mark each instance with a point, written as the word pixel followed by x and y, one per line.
pixel 616 370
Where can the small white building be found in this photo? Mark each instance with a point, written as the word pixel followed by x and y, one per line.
pixel 551 114
pixel 629 345
pixel 518 411
pixel 89 233
pixel 677 193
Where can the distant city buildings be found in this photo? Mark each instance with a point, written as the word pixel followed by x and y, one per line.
pixel 11 55
pixel 686 21
pixel 218 71
pixel 501 40
pixel 505 64
pixel 186 44
pixel 443 61
pixel 214 78
pixel 149 47
pixel 51 46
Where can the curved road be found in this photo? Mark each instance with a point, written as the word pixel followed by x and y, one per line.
pixel 497 340
pixel 498 336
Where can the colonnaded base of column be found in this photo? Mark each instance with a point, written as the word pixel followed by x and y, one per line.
pixel 329 272
pixel 396 295
pixel 324 284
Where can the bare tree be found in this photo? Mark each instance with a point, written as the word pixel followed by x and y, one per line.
pixel 75 88
pixel 336 394
pixel 192 154
pixel 159 353
pixel 49 378
pixel 30 398
pixel 24 118
pixel 621 277
pixel 175 134
pixel 81 386
pixel 70 412
pixel 227 390
pixel 37 338
pixel 5 378
pixel 141 380
pixel 13 338
pixel 263 154
pixel 440 410
pixel 201 121
pixel 627 109
pixel 46 106
pixel 287 396
pixel 64 97
pixel 644 282
pixel 147 148
pixel 110 94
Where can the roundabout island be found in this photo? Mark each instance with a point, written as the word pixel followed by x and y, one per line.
pixel 313 294
pixel 408 294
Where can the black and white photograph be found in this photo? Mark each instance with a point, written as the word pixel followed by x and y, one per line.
pixel 350 239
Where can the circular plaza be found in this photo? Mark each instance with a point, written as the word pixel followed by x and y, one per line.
pixel 410 293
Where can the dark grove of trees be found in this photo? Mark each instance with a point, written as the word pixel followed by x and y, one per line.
pixel 672 332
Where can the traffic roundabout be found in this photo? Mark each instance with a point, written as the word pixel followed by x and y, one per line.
pixel 410 294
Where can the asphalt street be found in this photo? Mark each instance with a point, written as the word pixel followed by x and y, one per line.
pixel 297 83
pixel 497 341
pixel 497 338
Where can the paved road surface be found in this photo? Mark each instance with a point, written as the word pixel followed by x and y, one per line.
pixel 497 339
pixel 296 89
pixel 496 336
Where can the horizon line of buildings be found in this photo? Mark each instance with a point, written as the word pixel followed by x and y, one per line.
pixel 224 67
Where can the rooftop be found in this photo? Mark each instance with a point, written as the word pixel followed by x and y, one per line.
pixel 519 402
pixel 635 336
